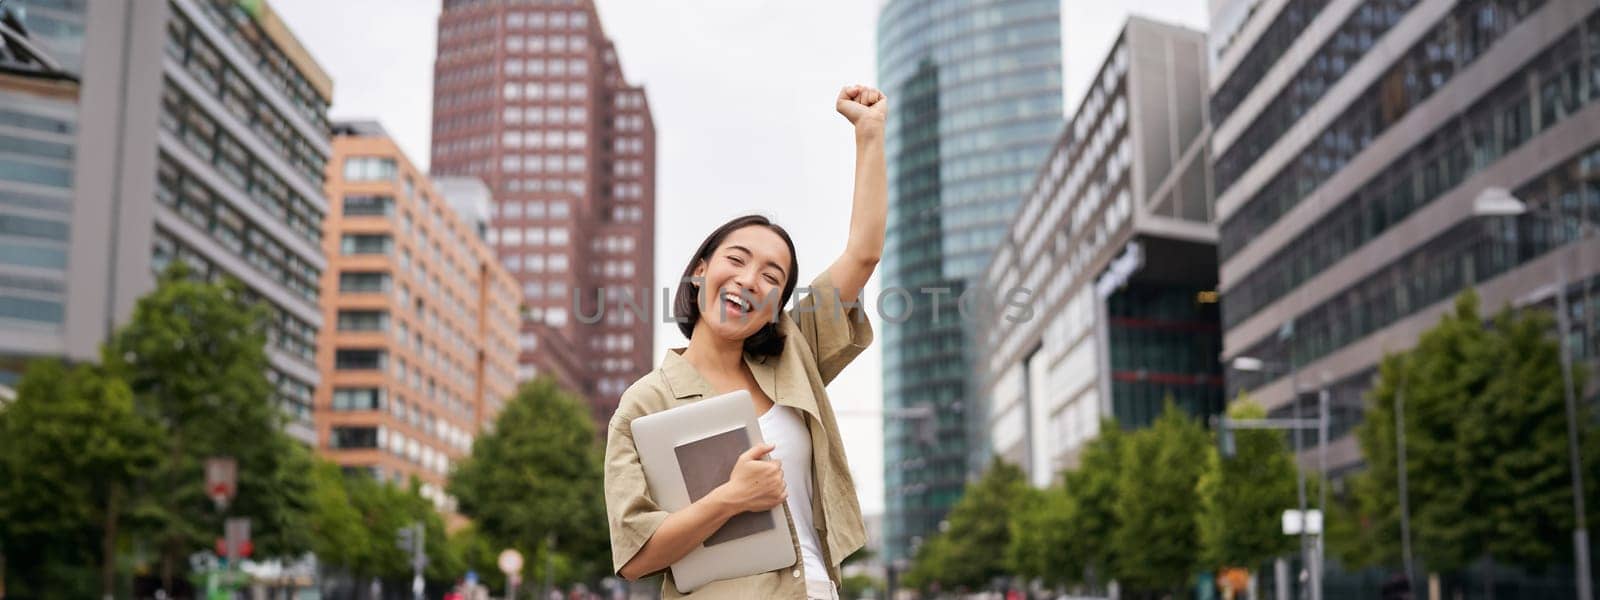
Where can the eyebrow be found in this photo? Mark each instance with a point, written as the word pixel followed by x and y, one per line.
pixel 769 263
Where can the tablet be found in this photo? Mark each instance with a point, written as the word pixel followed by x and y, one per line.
pixel 688 451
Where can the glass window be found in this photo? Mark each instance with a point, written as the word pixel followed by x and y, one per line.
pixel 369 243
pixel 349 359
pixel 357 399
pixel 363 320
pixel 368 205
pixel 353 437
pixel 369 168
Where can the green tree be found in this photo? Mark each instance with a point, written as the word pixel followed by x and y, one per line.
pixel 535 476
pixel 336 526
pixel 194 354
pixel 1093 489
pixel 1042 544
pixel 970 552
pixel 1486 454
pixel 72 451
pixel 1157 541
pixel 1242 496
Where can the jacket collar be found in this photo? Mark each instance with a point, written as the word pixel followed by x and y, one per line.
pixel 685 382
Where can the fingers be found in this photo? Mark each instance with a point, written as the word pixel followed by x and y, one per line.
pixel 756 453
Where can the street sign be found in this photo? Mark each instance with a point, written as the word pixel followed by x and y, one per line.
pixel 221 479
pixel 1296 522
pixel 510 561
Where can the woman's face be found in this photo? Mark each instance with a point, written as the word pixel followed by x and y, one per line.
pixel 743 282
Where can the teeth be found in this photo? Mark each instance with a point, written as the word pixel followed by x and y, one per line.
pixel 734 298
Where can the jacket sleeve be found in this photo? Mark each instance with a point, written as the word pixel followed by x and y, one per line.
pixel 633 515
pixel 835 331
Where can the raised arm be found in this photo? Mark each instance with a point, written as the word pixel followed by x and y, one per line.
pixel 867 109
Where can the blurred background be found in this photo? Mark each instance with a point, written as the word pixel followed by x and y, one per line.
pixel 336 299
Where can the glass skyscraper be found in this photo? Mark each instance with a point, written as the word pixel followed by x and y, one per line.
pixel 976 93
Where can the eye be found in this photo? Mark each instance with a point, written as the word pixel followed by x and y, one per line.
pixel 736 259
pixel 772 279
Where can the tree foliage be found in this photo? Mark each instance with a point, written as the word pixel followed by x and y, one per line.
pixel 1240 496
pixel 73 451
pixel 970 552
pixel 1157 542
pixel 1486 446
pixel 535 478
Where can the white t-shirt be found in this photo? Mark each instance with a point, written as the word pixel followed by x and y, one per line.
pixel 783 427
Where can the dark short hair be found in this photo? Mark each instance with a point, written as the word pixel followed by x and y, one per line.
pixel 767 341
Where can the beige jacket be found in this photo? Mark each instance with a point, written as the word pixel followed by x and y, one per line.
pixel 821 336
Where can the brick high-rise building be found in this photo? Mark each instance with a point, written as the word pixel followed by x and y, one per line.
pixel 419 354
pixel 529 97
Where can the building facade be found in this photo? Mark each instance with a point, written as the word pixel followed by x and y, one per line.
pixel 421 354
pixel 976 93
pixel 1115 249
pixel 530 98
pixel 199 134
pixel 1352 142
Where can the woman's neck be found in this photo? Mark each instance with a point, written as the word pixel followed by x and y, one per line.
pixel 712 354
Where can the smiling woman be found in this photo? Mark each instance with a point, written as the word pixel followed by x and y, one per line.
pixel 728 305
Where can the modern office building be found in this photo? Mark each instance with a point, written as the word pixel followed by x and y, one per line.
pixel 421 356
pixel 1116 251
pixel 199 133
pixel 976 96
pixel 530 98
pixel 1352 142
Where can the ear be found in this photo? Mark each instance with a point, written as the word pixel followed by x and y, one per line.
pixel 700 268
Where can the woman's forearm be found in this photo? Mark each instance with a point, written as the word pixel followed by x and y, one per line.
pixel 679 534
pixel 869 210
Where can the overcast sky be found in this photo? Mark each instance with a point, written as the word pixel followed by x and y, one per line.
pixel 742 94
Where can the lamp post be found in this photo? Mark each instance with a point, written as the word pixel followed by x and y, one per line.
pixel 1311 555
pixel 1497 202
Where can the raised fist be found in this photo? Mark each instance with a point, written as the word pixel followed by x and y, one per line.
pixel 863 106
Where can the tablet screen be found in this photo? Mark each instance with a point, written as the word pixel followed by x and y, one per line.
pixel 707 463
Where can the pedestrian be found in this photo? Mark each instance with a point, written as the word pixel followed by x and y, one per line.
pixel 728 305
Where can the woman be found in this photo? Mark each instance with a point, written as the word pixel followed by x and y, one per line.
pixel 727 304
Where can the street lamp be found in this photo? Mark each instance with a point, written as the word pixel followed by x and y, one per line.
pixel 1252 364
pixel 1497 202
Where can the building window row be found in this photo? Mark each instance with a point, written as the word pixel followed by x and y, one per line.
pixel 294 396
pixel 627 214
pixel 575 187
pixel 1454 43
pixel 553 20
pixel 370 168
pixel 629 123
pixel 629 100
pixel 281 73
pixel 627 191
pixel 201 135
pixel 1292 19
pixel 201 60
pixel 539 115
pixel 532 209
pixel 288 333
pixel 545 163
pixel 546 139
pixel 541 43
pixel 541 91
pixel 1471 252
pixel 532 236
pixel 194 202
pixel 536 263
pixel 613 243
pixel 1538 97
